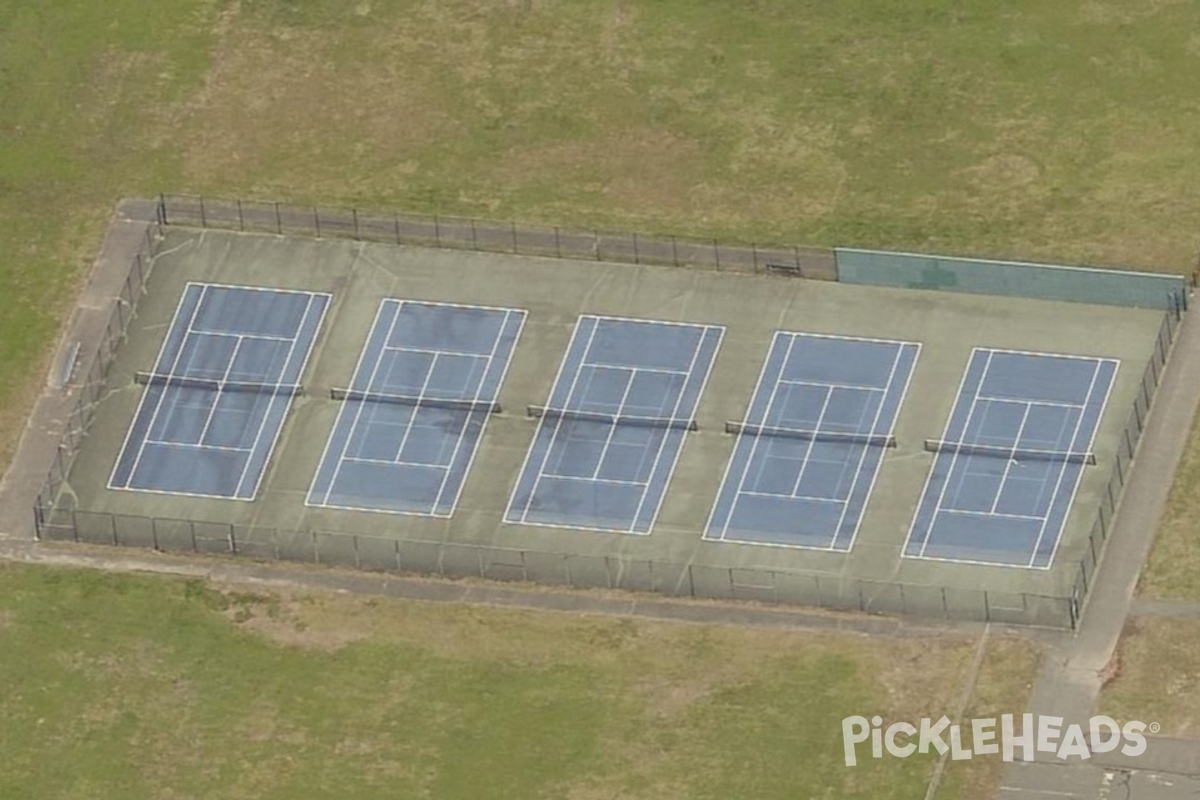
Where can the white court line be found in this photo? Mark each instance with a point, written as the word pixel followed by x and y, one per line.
pixel 1029 402
pixel 198 446
pixel 562 365
pixel 395 462
pixel 370 381
pixel 581 479
pixel 1079 474
pixel 400 348
pixel 862 456
pixel 895 417
pixel 838 336
pixel 167 383
pixel 749 493
pixel 912 528
pixel 808 450
pixel 660 322
pixel 362 354
pixel 599 365
pixel 766 414
pixel 523 314
pixel 466 423
pixel 275 395
pixel 937 509
pixel 662 443
pixel 762 371
pixel 1062 470
pixel 852 386
pixel 1042 354
pixel 212 407
pixel 412 417
pixel 612 429
pixel 233 334
pixel 137 414
pixel 997 514
pixel 1012 457
pixel 566 404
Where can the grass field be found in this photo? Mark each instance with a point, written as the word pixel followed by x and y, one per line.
pixel 1159 676
pixel 1062 132
pixel 160 687
pixel 1173 568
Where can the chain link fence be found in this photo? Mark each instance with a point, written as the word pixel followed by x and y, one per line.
pixel 91 387
pixel 459 560
pixel 1089 563
pixel 57 518
pixel 463 233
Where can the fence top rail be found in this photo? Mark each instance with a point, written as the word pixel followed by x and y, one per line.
pixel 205 203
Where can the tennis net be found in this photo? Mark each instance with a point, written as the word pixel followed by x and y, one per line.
pixel 443 403
pixel 216 385
pixel 633 420
pixel 1017 454
pixel 833 437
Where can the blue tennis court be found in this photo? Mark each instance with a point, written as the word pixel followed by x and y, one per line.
pixel 411 420
pixel 609 437
pixel 813 439
pixel 1009 463
pixel 219 392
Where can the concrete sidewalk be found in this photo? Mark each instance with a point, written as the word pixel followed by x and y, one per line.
pixel 1070 679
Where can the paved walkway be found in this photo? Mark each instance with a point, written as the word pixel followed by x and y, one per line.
pixel 1070 679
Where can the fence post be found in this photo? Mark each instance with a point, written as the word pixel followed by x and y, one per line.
pixel 232 541
pixel 796 255
pixel 203 217
pixel 437 234
pixel 354 214
pixel 278 220
pixel 241 219
pixel 396 220
pixel 596 239
pixel 557 242
pixel 512 226
pixel 717 254
pixel 674 252
pixel 162 210
pixel 317 221
pixel 474 241
pixel 754 255
pixel 636 257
